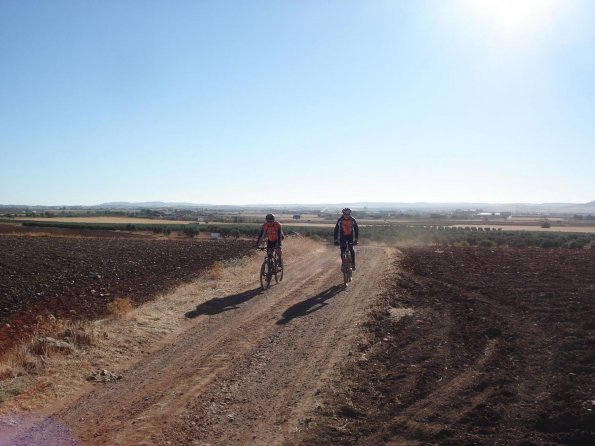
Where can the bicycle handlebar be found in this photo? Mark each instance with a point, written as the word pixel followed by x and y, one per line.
pixel 346 243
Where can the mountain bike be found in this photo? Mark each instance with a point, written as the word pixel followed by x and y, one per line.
pixel 346 263
pixel 270 269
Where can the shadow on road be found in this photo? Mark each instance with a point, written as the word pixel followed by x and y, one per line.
pixel 220 304
pixel 310 305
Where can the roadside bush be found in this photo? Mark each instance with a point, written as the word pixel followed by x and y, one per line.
pixel 472 240
pixel 549 243
pixel 190 231
pixel 487 243
pixel 576 244
pixel 520 243
pixel 500 241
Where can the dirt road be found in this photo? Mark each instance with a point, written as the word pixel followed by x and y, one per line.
pixel 430 345
pixel 247 370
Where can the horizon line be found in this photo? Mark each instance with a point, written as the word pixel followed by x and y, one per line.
pixel 317 204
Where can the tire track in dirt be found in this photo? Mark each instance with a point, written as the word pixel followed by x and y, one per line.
pixel 265 398
pixel 246 371
pixel 455 392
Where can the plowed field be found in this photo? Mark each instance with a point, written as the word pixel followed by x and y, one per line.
pixel 474 346
pixel 76 277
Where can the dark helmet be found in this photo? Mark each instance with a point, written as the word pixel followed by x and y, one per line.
pixel 270 217
pixel 346 211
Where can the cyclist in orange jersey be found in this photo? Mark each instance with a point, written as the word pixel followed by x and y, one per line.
pixel 346 230
pixel 274 234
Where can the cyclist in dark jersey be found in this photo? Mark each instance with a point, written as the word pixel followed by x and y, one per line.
pixel 346 230
pixel 274 234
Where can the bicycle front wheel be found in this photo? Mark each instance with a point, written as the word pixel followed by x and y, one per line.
pixel 265 276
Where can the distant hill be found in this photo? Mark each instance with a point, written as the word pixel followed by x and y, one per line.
pixel 375 206
pixel 515 208
pixel 150 204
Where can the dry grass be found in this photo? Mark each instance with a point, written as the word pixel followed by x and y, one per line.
pixel 26 234
pixel 32 379
pixel 29 366
pixel 6 372
pixel 49 335
pixel 297 247
pixel 217 271
pixel 120 307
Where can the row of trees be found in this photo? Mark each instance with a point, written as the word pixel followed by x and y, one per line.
pixel 433 235
pixel 385 234
pixel 474 237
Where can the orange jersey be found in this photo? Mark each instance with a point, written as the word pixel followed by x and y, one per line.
pixel 346 227
pixel 272 230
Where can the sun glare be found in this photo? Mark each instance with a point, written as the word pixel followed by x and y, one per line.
pixel 513 19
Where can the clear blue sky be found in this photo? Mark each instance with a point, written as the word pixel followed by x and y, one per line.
pixel 239 102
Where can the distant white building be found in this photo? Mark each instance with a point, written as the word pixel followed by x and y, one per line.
pixel 494 214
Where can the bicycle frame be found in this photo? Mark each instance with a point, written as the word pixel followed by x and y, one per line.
pixel 270 269
pixel 271 259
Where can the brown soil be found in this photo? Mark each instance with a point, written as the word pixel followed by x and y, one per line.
pixel 426 346
pixel 76 277
pixel 474 346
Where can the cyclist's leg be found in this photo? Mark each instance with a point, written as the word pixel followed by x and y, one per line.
pixel 351 250
pixel 279 256
pixel 270 247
